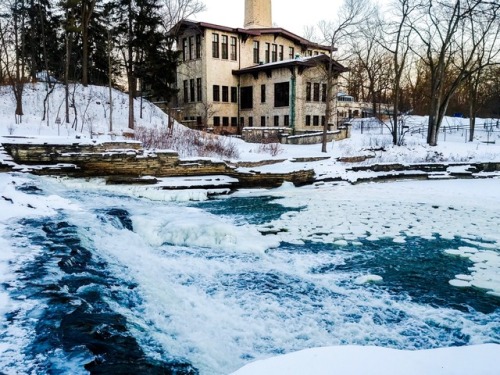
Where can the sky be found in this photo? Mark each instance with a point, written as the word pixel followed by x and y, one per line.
pixel 292 18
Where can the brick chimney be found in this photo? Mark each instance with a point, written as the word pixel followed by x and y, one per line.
pixel 258 14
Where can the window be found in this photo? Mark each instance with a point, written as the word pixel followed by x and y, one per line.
pixel 234 121
pixel 246 96
pixel 308 120
pixel 216 93
pixel 225 121
pixel 262 93
pixel 316 92
pixel 233 48
pixel 262 121
pixel 323 92
pixel 186 95
pixel 250 121
pixel 291 53
pixel 224 47
pixel 256 57
pixel 234 94
pixel 215 45
pixel 308 91
pixel 309 53
pixel 315 120
pixel 274 54
pixel 323 120
pixel 266 52
pixel 198 46
pixel 184 49
pixel 276 121
pixel 192 90
pixel 281 53
pixel 286 120
pixel 216 121
pixel 242 121
pixel 199 120
pixel 225 94
pixel 282 94
pixel 198 89
pixel 191 48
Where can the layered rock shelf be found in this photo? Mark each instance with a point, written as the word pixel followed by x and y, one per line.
pixel 129 162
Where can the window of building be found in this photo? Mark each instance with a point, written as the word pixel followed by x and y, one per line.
pixel 315 120
pixel 242 121
pixel 199 120
pixel 323 120
pixel 234 55
pixel 225 121
pixel 184 49
pixel 308 120
pixel 274 54
pixel 262 93
pixel 266 52
pixel 198 89
pixel 246 97
pixel 282 94
pixel 216 121
pixel 192 90
pixel 216 93
pixel 215 45
pixel 276 121
pixel 308 91
pixel 225 94
pixel 186 94
pixel 250 121
pixel 234 121
pixel 224 53
pixel 256 54
pixel 286 120
pixel 309 53
pixel 291 53
pixel 191 48
pixel 262 121
pixel 323 92
pixel 234 94
pixel 282 53
pixel 198 46
pixel 316 92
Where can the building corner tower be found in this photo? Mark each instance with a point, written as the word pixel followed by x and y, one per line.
pixel 258 14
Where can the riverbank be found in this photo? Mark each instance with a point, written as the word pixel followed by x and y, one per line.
pixel 126 162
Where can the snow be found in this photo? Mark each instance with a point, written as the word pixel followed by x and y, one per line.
pixel 427 207
pixel 355 360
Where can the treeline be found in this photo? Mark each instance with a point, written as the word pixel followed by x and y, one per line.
pixel 101 42
pixel 426 57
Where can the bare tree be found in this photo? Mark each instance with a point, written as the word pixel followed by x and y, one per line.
pixel 87 10
pixel 451 32
pixel 372 59
pixel 12 35
pixel 173 11
pixel 395 39
pixel 350 15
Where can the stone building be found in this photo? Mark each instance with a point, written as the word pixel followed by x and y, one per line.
pixel 259 76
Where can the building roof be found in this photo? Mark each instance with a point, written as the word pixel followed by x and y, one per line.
pixel 276 31
pixel 304 62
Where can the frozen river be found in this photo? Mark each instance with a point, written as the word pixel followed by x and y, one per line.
pixel 95 276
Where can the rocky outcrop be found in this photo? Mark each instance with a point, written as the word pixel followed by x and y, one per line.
pixel 131 163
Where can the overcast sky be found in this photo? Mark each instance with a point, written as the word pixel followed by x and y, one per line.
pixel 286 13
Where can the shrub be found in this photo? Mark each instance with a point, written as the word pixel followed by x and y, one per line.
pixel 186 142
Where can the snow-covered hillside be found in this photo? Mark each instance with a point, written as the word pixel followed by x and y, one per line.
pixel 90 114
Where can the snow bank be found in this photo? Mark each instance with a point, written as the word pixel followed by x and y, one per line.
pixel 357 360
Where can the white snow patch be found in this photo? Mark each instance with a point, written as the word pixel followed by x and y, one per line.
pixel 356 360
